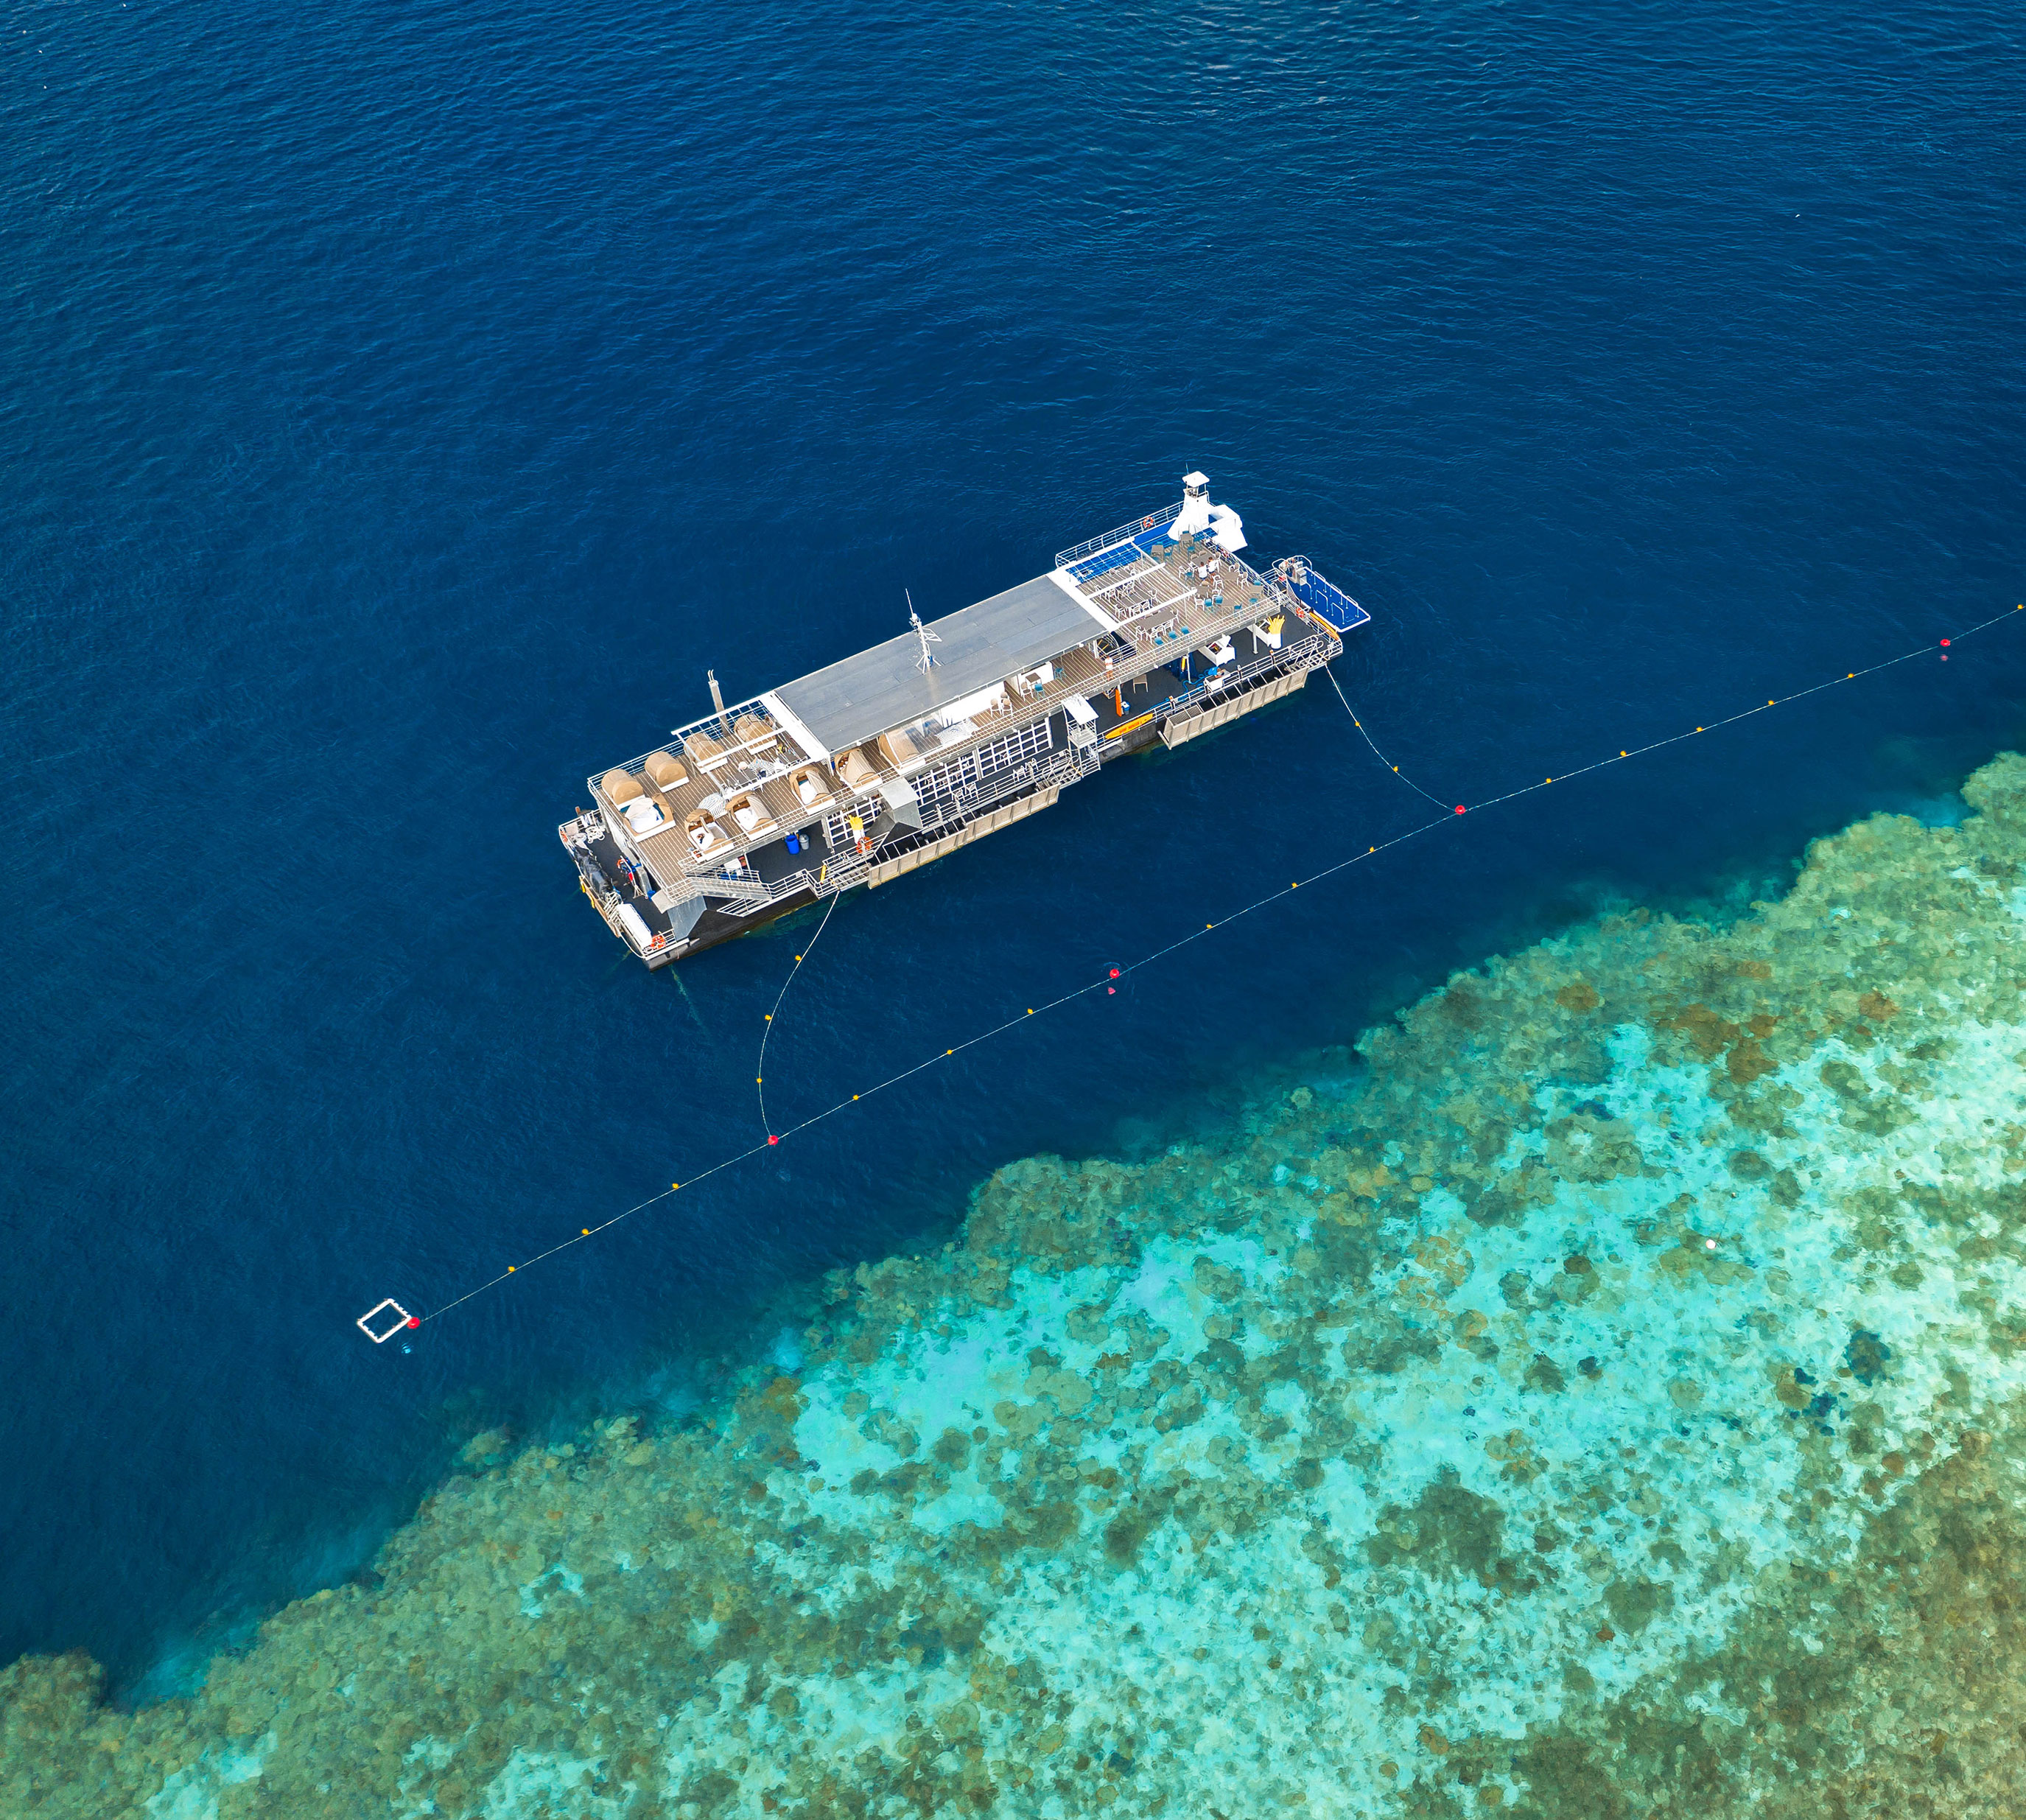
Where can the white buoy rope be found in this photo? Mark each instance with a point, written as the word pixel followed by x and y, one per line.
pixel 766 1028
pixel 381 1323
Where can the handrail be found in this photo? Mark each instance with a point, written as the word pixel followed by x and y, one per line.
pixel 968 799
pixel 1119 534
pixel 703 877
pixel 1227 681
pixel 1061 768
pixel 1060 765
pixel 845 869
pixel 726 885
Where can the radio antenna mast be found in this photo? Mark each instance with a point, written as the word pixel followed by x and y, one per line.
pixel 925 662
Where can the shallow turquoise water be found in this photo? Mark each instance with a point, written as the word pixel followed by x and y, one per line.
pixel 1606 1396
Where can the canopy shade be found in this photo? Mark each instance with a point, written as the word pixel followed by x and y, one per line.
pixel 883 688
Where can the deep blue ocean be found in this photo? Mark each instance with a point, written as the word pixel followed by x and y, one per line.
pixel 402 407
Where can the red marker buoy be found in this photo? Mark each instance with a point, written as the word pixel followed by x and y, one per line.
pixel 1945 644
pixel 1115 973
pixel 1459 809
pixel 772 1138
pixel 1112 992
pixel 413 1321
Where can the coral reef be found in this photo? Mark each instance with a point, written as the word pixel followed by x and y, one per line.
pixel 1610 1401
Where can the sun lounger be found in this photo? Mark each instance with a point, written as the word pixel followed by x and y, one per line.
pixel 809 790
pixel 751 815
pixel 665 771
pixel 643 815
pixel 706 836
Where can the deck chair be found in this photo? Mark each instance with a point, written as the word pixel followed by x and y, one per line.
pixel 665 770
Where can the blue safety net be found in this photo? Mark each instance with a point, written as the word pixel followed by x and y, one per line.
pixel 1323 597
pixel 1130 549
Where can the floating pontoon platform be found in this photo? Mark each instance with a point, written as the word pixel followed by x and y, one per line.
pixel 860 772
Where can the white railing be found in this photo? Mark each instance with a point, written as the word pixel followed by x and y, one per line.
pixel 949 811
pixel 1059 769
pixel 741 897
pixel 1303 653
pixel 752 889
pixel 1092 546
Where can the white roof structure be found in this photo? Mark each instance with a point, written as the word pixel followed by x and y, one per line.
pixel 882 688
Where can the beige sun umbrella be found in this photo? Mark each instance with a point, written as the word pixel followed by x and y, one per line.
pixel 665 769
